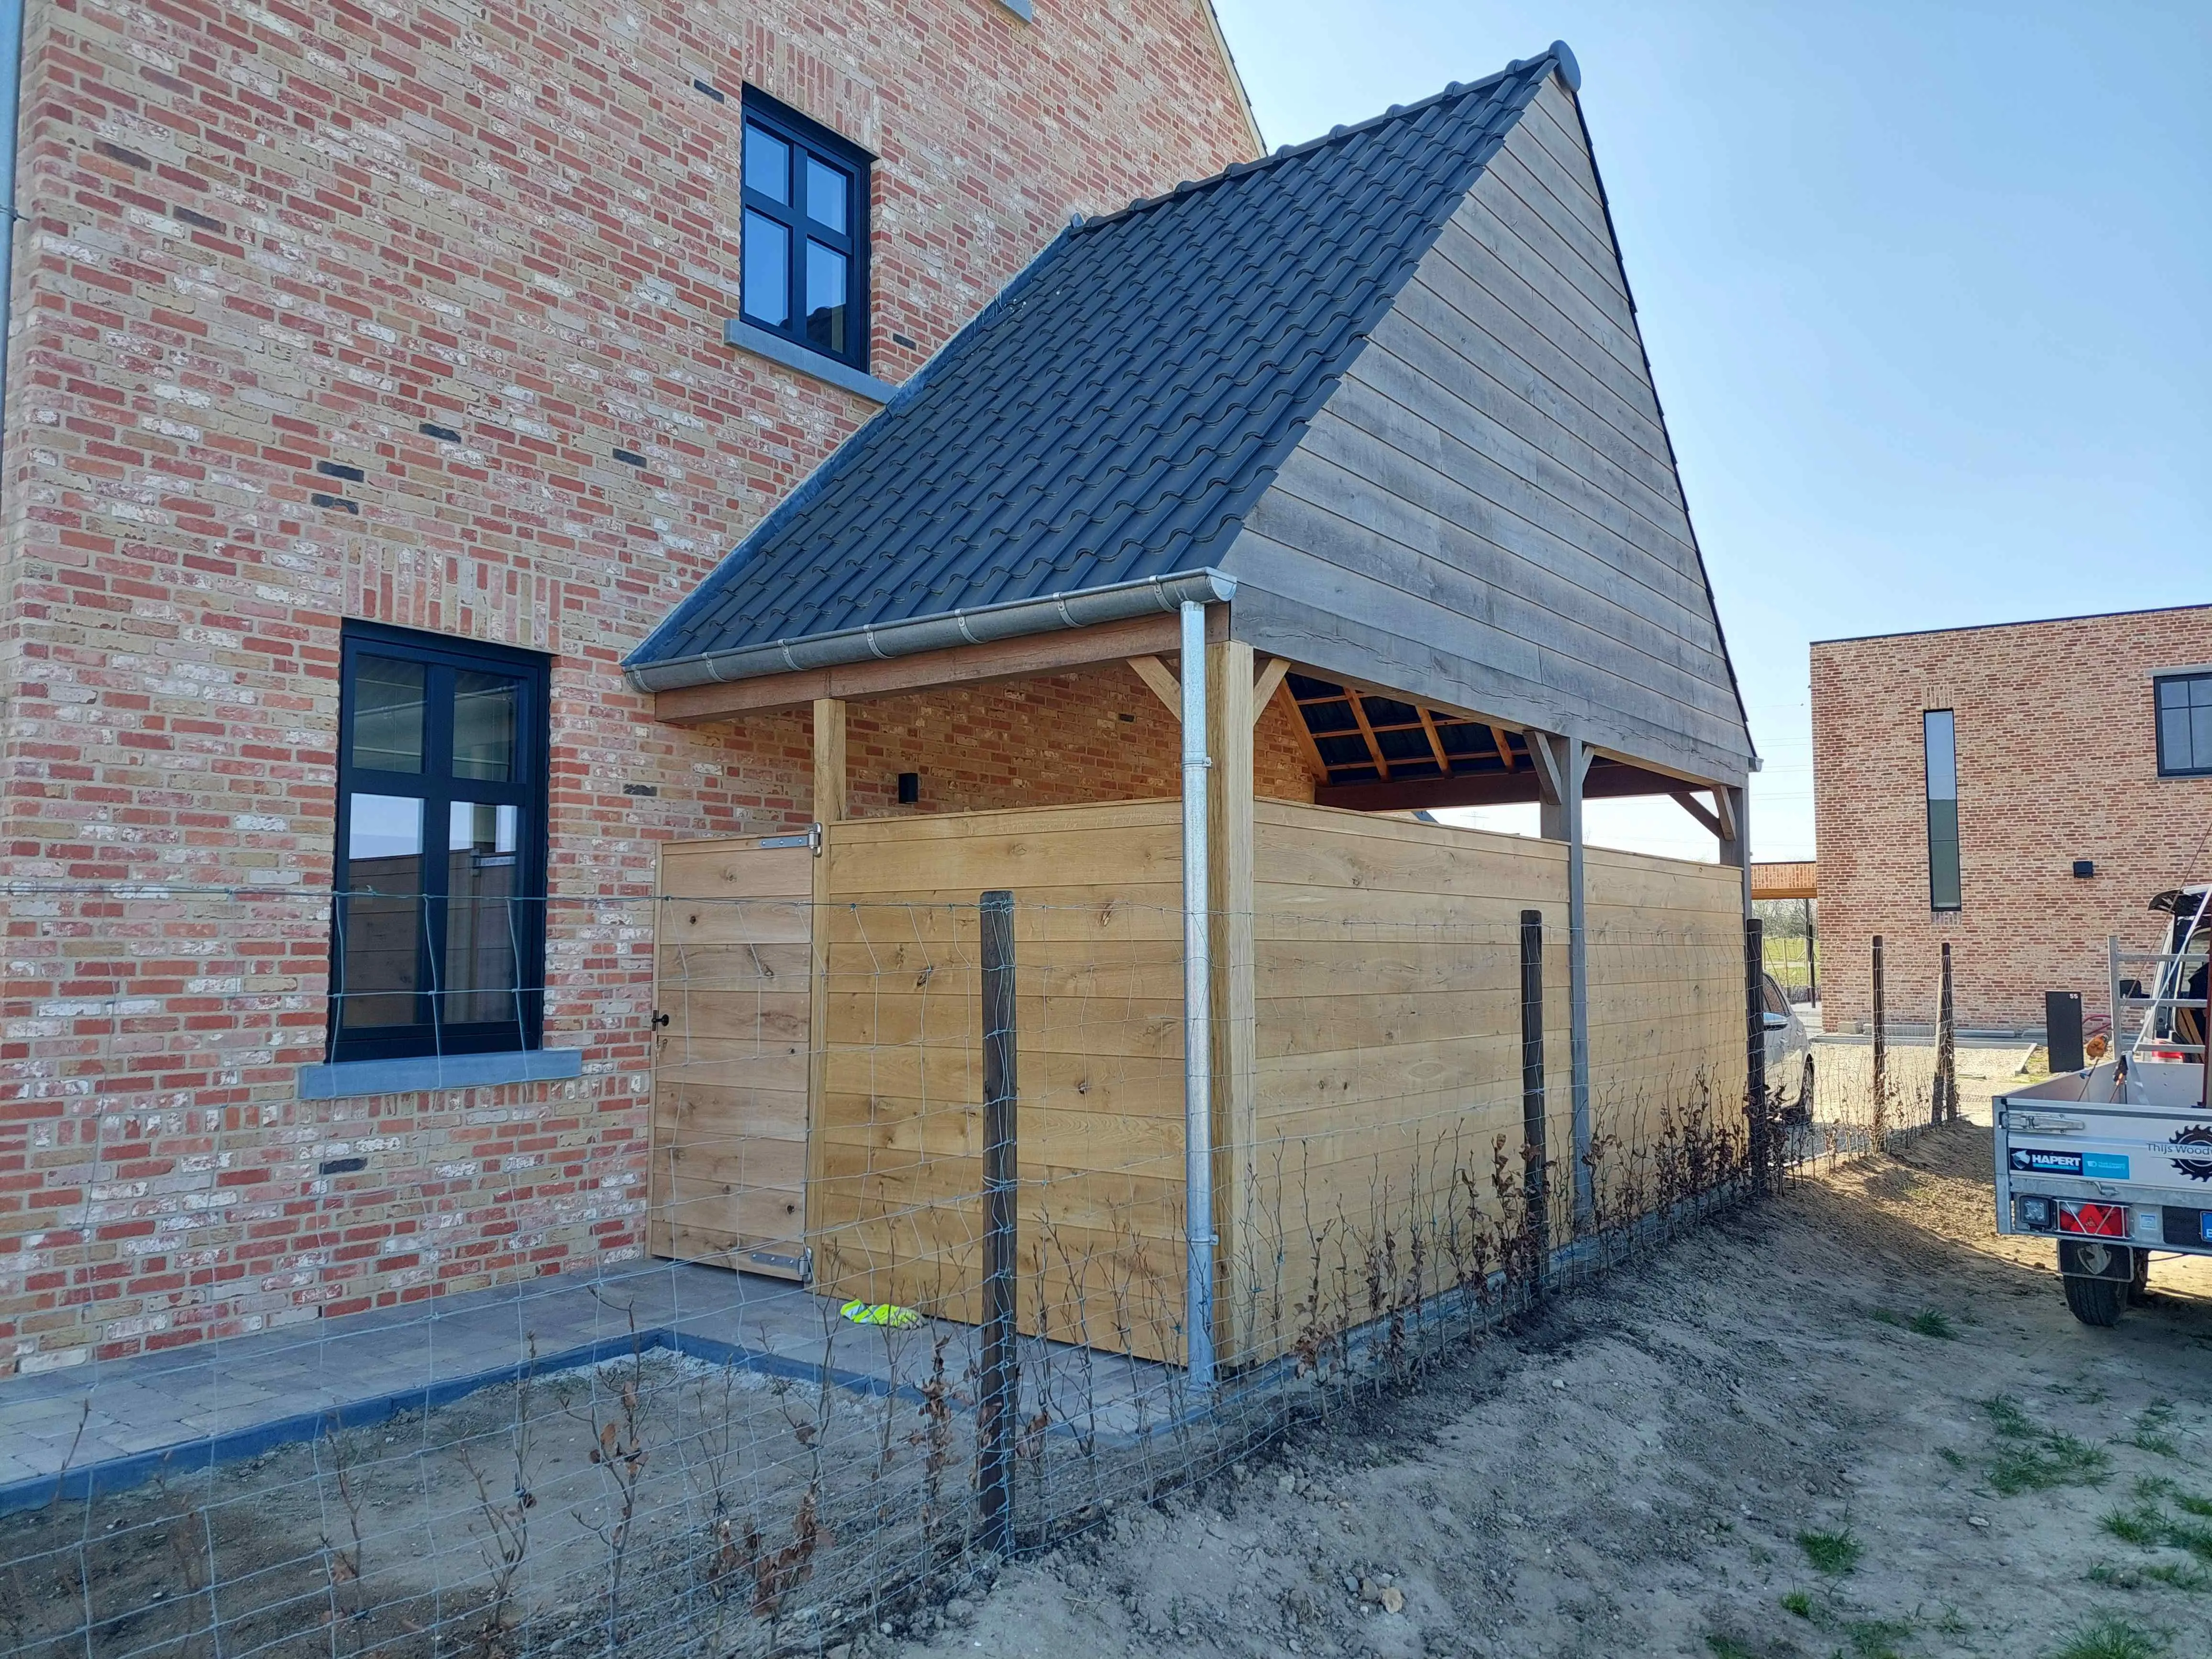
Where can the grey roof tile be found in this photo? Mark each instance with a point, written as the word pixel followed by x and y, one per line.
pixel 1113 413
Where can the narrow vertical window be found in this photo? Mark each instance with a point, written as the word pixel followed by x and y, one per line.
pixel 1940 735
pixel 803 265
pixel 437 941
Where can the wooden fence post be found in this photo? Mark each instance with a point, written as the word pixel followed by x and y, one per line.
pixel 997 1409
pixel 1535 1189
pixel 1880 1053
pixel 1946 1092
pixel 1755 1101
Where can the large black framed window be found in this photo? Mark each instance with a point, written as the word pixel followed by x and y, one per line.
pixel 437 923
pixel 1940 740
pixel 2185 725
pixel 805 238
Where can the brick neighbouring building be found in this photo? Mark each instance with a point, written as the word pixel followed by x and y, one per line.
pixel 2057 760
pixel 267 250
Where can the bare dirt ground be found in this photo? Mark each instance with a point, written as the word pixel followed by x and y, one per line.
pixel 1852 1422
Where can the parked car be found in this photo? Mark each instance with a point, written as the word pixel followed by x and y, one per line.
pixel 1788 1055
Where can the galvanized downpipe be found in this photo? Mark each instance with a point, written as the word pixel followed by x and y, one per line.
pixel 11 111
pixel 1197 1012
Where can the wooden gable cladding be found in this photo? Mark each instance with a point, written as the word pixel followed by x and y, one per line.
pixel 1486 514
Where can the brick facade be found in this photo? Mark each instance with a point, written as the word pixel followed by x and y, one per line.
pixel 2058 761
pixel 263 237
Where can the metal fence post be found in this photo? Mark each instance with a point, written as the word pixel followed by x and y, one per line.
pixel 997 1410
pixel 1946 1092
pixel 1756 1103
pixel 1536 1190
pixel 1880 1053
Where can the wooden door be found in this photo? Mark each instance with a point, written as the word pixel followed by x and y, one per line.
pixel 733 950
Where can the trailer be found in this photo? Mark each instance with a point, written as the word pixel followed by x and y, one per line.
pixel 2114 1161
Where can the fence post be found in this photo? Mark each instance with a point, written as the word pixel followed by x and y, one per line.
pixel 997 1409
pixel 1880 1053
pixel 1754 1019
pixel 1812 954
pixel 1535 1192
pixel 1946 1092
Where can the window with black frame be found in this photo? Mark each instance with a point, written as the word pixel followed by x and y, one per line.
pixel 438 922
pixel 1939 730
pixel 805 238
pixel 2185 725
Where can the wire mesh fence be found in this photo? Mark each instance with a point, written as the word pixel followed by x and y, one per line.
pixel 851 1309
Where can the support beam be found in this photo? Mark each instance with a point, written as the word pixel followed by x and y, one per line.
pixel 1231 698
pixel 1690 804
pixel 829 761
pixel 1157 674
pixel 1505 747
pixel 1494 789
pixel 1271 676
pixel 830 784
pixel 1565 765
pixel 1735 849
pixel 967 664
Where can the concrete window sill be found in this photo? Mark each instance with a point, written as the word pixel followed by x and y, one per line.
pixel 777 349
pixel 425 1072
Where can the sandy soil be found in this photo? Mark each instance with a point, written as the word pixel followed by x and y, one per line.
pixel 1743 1448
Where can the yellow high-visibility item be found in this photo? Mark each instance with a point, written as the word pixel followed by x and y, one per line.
pixel 882 1313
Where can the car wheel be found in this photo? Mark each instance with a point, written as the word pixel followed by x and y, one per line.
pixel 1801 1110
pixel 2096 1301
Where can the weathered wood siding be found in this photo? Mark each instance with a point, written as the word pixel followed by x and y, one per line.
pixel 1486 512
pixel 895 1211
pixel 1387 1075
pixel 729 1067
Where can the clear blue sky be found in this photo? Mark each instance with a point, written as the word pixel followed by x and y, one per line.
pixel 1925 288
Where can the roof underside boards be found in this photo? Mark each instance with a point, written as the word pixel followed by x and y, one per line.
pixel 1485 513
pixel 1114 414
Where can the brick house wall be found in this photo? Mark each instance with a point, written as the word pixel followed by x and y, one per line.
pixel 2058 761
pixel 267 241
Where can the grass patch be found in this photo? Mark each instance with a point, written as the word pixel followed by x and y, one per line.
pixel 2007 1420
pixel 2180 1575
pixel 1729 1647
pixel 1875 1638
pixel 2052 1460
pixel 2143 1527
pixel 2150 1433
pixel 1799 1603
pixel 1928 1322
pixel 2111 1638
pixel 2190 1504
pixel 1832 1553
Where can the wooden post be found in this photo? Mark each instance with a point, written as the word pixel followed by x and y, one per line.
pixel 829 811
pixel 1229 714
pixel 1757 1106
pixel 998 1410
pixel 1536 1190
pixel 1812 955
pixel 1880 1053
pixel 1560 774
pixel 1946 1092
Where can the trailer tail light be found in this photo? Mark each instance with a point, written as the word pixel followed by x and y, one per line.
pixel 2095 1220
pixel 2172 1056
pixel 2039 1214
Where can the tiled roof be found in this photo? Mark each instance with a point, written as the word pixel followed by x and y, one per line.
pixel 1115 411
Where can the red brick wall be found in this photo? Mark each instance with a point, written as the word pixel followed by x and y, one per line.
pixel 263 236
pixel 2058 761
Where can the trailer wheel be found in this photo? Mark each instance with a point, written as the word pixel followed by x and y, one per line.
pixel 2095 1301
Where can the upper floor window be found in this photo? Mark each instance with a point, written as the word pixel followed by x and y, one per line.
pixel 805 233
pixel 438 925
pixel 1940 742
pixel 2185 726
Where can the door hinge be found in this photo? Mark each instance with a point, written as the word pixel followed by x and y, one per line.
pixel 811 840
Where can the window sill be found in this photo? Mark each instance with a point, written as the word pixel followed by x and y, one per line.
pixel 419 1072
pixel 777 349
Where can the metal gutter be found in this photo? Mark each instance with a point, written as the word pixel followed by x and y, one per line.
pixel 981 625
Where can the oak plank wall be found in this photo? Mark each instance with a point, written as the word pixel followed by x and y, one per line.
pixel 1389 1044
pixel 729 1067
pixel 1486 512
pixel 896 1212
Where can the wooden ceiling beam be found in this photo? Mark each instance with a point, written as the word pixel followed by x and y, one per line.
pixel 1487 789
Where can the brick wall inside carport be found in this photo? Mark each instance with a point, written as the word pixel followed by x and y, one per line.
pixel 265 237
